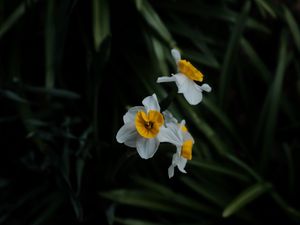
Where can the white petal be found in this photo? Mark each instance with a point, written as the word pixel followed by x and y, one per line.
pixel 182 82
pixel 147 147
pixel 182 123
pixel 193 93
pixel 171 171
pixel 176 55
pixel 131 141
pixel 170 134
pixel 178 161
pixel 165 79
pixel 181 164
pixel 169 118
pixel 129 117
pixel 126 132
pixel 176 156
pixel 205 87
pixel 151 103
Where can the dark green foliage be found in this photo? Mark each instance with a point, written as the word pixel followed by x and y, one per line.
pixel 66 81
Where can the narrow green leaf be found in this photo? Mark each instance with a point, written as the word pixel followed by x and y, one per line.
pixel 129 221
pixel 222 170
pixel 213 197
pixel 101 21
pixel 51 206
pixel 50 42
pixel 244 166
pixel 292 212
pixel 221 116
pixel 14 17
pixel 290 166
pixel 80 163
pixel 293 25
pixel 256 61
pixel 177 198
pixel 158 188
pixel 226 73
pixel 214 11
pixel 246 197
pixel 53 92
pixel 266 7
pixel 154 21
pixel 76 206
pixel 13 96
pixel 201 58
pixel 159 53
pixel 274 102
pixel 140 199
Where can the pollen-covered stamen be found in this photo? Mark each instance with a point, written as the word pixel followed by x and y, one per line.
pixel 186 149
pixel 147 125
pixel 186 68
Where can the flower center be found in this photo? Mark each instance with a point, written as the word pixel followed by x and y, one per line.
pixel 186 68
pixel 186 149
pixel 147 125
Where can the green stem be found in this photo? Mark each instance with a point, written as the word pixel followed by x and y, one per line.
pixel 295 214
pixel 166 102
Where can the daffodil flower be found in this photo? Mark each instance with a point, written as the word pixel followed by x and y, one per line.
pixel 185 79
pixel 178 135
pixel 141 129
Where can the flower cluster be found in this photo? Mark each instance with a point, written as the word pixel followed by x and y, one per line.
pixel 145 127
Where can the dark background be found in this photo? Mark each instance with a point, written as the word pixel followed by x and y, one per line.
pixel 70 69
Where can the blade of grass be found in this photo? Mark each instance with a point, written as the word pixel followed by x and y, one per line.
pixel 290 165
pixel 101 21
pixel 219 12
pixel 13 96
pixel 273 105
pixel 14 17
pixel 266 7
pixel 143 199
pixel 160 57
pixel 50 45
pixel 52 92
pixel 212 196
pixel 293 25
pixel 244 166
pixel 129 221
pixel 226 72
pixel 222 170
pixel 256 60
pixel 246 197
pixel 154 21
pixel 221 116
pixel 177 198
pixel 292 212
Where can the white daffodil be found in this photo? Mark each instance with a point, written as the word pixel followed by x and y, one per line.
pixel 141 129
pixel 178 135
pixel 185 79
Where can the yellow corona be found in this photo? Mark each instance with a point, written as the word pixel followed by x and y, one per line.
pixel 147 125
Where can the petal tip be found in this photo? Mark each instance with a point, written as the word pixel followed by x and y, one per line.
pixel 176 54
pixel 206 87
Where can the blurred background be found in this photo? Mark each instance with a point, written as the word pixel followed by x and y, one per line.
pixel 66 81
